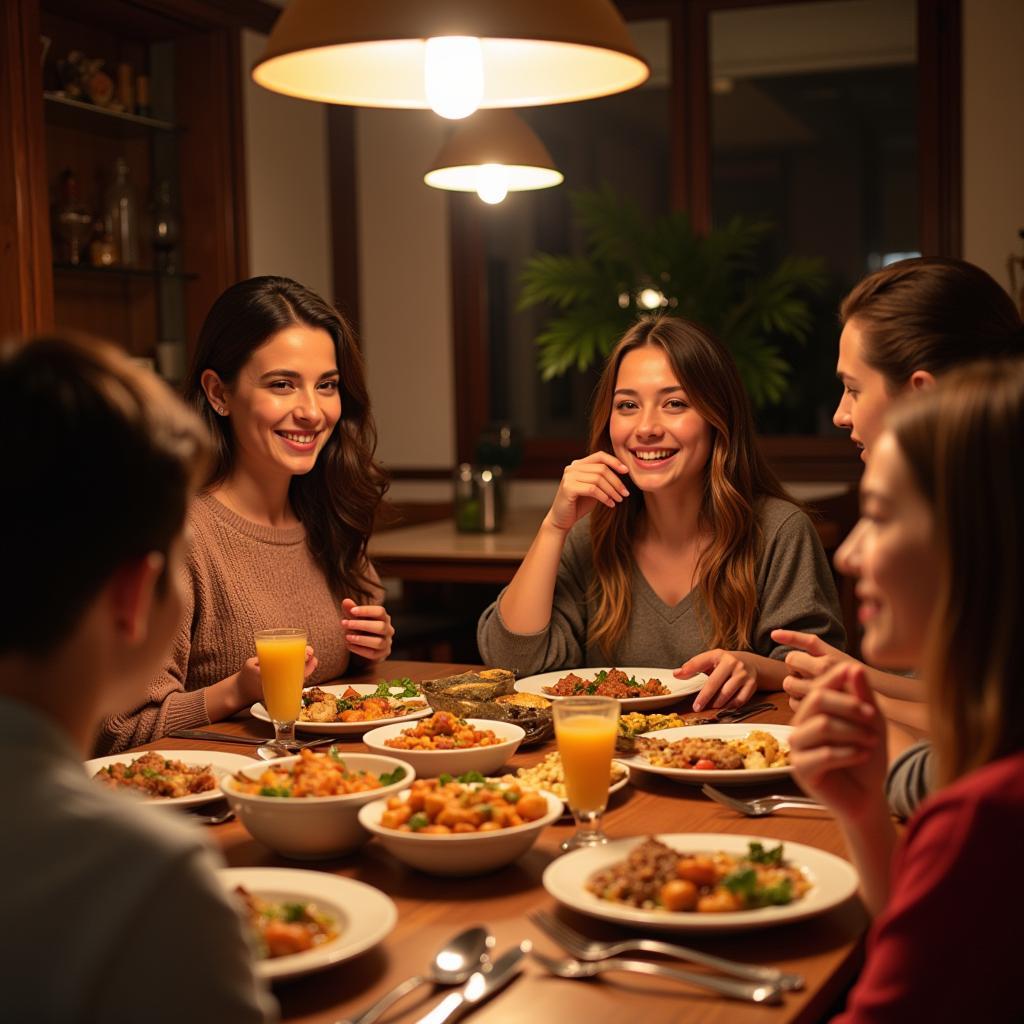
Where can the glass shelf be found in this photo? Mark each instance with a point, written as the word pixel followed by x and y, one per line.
pixel 136 272
pixel 116 122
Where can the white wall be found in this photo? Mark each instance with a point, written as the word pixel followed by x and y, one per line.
pixel 405 287
pixel 286 181
pixel 993 138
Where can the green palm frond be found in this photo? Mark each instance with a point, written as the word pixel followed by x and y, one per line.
pixel 712 279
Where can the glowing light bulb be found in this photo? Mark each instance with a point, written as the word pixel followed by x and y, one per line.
pixel 650 298
pixel 492 183
pixel 453 75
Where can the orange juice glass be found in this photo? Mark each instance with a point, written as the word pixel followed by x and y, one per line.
pixel 282 658
pixel 585 729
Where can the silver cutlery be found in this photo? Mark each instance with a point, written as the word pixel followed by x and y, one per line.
pixel 453 963
pixel 481 985
pixel 736 714
pixel 216 818
pixel 584 948
pixel 762 805
pixel 753 992
pixel 249 741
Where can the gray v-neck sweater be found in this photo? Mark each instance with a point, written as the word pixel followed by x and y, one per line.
pixel 795 590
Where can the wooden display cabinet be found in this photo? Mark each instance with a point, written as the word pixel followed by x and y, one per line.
pixel 192 139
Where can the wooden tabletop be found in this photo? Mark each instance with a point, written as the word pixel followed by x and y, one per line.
pixel 826 949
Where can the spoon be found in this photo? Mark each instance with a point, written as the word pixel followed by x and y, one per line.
pixel 453 963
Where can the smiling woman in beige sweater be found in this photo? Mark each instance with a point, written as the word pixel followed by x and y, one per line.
pixel 279 535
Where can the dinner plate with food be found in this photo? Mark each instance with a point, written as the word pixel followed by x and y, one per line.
pixel 635 687
pixel 180 777
pixel 727 754
pixel 700 882
pixel 549 775
pixel 352 708
pixel 302 921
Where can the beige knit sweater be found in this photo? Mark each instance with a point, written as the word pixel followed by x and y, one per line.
pixel 241 577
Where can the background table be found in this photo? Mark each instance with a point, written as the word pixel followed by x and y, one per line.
pixel 825 949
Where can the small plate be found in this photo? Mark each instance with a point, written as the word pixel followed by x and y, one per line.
pixel 346 728
pixel 364 914
pixel 717 777
pixel 612 788
pixel 834 881
pixel 221 763
pixel 678 688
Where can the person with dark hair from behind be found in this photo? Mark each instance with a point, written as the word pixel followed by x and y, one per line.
pixel 904 327
pixel 111 912
pixel 280 530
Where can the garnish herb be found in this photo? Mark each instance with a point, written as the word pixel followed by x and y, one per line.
pixel 387 778
pixel 759 854
pixel 418 820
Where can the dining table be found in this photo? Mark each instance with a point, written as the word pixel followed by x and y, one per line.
pixel 826 949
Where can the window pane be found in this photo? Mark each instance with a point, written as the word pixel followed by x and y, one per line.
pixel 619 140
pixel 814 127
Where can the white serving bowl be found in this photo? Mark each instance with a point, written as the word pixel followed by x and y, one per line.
pixel 462 853
pixel 431 763
pixel 312 827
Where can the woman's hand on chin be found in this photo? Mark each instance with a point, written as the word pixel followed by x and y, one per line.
pixel 586 482
pixel 731 680
pixel 368 630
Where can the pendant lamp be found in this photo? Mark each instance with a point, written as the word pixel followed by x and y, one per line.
pixel 450 55
pixel 493 153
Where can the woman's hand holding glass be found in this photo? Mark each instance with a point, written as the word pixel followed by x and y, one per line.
pixel 838 746
pixel 250 683
pixel 283 656
pixel 585 482
pixel 368 630
pixel 731 680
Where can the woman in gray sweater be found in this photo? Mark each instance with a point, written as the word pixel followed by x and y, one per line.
pixel 672 544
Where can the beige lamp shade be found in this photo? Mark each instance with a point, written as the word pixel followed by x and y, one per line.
pixel 375 53
pixel 493 144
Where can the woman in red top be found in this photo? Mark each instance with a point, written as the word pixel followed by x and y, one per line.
pixel 939 558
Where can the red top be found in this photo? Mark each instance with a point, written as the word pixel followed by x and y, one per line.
pixel 949 944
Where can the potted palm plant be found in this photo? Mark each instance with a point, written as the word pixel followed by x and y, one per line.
pixel 633 264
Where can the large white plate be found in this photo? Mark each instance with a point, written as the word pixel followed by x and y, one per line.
pixel 678 688
pixel 221 763
pixel 343 728
pixel 716 777
pixel 834 881
pixel 364 915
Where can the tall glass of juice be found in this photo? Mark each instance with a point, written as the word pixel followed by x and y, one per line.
pixel 585 728
pixel 282 658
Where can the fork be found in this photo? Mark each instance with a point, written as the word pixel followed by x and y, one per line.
pixel 754 993
pixel 762 805
pixel 736 714
pixel 584 948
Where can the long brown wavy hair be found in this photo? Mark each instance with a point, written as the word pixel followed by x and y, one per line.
pixel 736 477
pixel 338 499
pixel 963 442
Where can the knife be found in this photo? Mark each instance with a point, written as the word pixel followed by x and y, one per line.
pixel 481 985
pixel 252 741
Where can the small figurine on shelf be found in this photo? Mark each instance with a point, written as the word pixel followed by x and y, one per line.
pixel 165 229
pixel 102 252
pixel 81 78
pixel 72 219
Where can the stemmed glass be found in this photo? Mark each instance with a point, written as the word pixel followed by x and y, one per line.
pixel 282 658
pixel 585 729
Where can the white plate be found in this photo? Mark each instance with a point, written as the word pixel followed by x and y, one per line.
pixel 834 881
pixel 679 687
pixel 716 777
pixel 343 728
pixel 221 763
pixel 364 915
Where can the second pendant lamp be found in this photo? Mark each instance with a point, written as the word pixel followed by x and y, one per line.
pixel 493 153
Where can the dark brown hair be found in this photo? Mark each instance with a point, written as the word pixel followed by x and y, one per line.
pixel 931 313
pixel 963 442
pixel 736 477
pixel 338 499
pixel 105 458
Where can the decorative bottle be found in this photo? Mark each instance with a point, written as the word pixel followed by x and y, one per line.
pixel 121 216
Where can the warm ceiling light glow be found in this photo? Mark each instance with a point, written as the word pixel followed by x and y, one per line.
pixel 491 183
pixel 377 53
pixel 493 153
pixel 453 75
pixel 651 298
